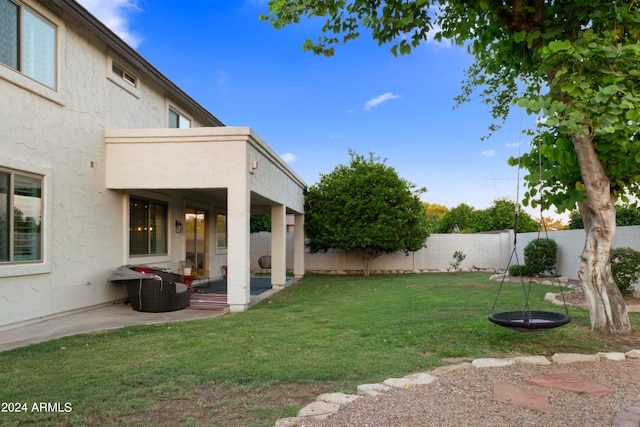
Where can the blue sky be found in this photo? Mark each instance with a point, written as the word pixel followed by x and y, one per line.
pixel 311 110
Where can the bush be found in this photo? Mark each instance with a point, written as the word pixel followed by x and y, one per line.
pixel 625 266
pixel 519 270
pixel 540 255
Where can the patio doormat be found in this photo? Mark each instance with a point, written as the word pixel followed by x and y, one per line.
pixel 208 302
pixel 258 286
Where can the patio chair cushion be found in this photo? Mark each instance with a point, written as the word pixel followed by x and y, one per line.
pixel 145 270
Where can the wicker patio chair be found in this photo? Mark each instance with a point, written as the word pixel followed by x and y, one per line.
pixel 156 290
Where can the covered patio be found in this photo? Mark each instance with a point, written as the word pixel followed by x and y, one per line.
pixel 225 166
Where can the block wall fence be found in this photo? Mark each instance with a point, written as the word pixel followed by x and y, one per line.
pixel 491 251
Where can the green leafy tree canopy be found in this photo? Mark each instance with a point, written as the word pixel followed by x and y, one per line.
pixel 364 208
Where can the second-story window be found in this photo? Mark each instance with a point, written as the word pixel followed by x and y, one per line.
pixel 27 43
pixel 125 75
pixel 178 120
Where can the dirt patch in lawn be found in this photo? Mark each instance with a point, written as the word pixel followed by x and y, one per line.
pixel 230 405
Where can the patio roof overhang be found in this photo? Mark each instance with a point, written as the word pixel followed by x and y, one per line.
pixel 208 159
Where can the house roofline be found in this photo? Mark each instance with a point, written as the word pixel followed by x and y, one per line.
pixel 102 32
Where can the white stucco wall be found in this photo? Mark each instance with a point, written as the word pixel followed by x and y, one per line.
pixel 60 135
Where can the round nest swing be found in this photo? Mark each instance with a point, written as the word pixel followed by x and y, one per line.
pixel 530 321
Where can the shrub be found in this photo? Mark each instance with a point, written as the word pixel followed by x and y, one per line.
pixel 518 270
pixel 625 266
pixel 540 255
pixel 458 256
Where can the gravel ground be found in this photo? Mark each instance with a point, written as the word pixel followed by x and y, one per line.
pixel 465 398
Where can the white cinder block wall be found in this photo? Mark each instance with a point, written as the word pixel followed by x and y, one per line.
pixel 483 251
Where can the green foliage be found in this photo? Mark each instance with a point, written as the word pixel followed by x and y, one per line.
pixel 625 215
pixel 540 255
pixel 625 267
pixel 434 214
pixel 260 223
pixel 365 208
pixel 500 216
pixel 575 220
pixel 461 215
pixel 519 270
pixel 458 257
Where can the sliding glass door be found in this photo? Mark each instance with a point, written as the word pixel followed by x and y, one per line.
pixel 196 233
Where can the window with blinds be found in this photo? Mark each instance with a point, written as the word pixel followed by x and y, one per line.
pixel 20 217
pixel 27 43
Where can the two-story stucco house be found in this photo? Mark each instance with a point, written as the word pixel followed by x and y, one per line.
pixel 105 162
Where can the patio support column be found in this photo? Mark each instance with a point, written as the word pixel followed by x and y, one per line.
pixel 238 235
pixel 298 247
pixel 278 246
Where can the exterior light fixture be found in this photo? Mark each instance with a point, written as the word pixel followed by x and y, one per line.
pixel 178 227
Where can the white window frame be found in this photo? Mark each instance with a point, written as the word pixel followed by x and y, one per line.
pixel 52 80
pixel 167 225
pixel 19 79
pixel 181 117
pixel 12 238
pixel 123 75
pixel 43 266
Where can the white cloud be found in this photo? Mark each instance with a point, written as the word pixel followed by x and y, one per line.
pixel 379 100
pixel 115 14
pixel 488 153
pixel 289 157
pixel 223 77
pixel 513 145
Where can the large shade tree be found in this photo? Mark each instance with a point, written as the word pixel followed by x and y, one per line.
pixel 364 208
pixel 574 62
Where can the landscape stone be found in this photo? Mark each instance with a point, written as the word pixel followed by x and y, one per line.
pixel 491 363
pixel 318 409
pixel 531 360
pixel 415 379
pixel 563 358
pixel 571 381
pixel 633 354
pixel 515 395
pixel 633 376
pixel 372 389
pixel 337 398
pixel 625 419
pixel 616 356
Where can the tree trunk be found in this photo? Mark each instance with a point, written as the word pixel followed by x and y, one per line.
pixel 607 308
pixel 367 254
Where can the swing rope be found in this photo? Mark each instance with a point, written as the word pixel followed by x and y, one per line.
pixel 516 217
pixel 527 320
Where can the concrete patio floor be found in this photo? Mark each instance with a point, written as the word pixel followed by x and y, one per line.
pixel 109 316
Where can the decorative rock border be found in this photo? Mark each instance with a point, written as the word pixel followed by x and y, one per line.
pixel 329 403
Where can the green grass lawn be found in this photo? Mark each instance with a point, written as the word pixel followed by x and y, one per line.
pixel 323 334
